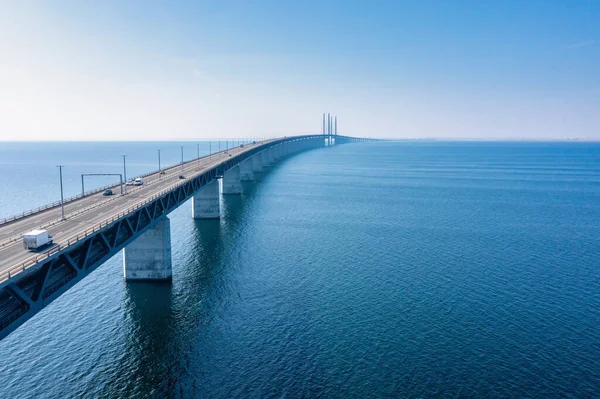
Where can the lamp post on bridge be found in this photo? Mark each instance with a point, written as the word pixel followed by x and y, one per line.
pixel 125 173
pixel 198 149
pixel 62 198
pixel 210 148
pixel 158 164
pixel 182 158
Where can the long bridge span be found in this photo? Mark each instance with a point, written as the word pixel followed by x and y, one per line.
pixel 96 227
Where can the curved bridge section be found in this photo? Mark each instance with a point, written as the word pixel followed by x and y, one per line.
pixel 95 227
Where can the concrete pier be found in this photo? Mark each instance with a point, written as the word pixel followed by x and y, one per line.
pixel 149 256
pixel 247 170
pixel 265 158
pixel 256 163
pixel 205 203
pixel 272 157
pixel 231 181
pixel 276 151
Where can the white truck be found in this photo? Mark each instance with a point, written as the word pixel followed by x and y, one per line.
pixel 36 239
pixel 138 182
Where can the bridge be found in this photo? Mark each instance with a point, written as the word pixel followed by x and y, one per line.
pixel 96 227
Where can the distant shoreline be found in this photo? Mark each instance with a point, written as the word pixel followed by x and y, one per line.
pixel 507 140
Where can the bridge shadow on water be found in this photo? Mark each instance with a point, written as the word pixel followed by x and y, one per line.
pixel 168 324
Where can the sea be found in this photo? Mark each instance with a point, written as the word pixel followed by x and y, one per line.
pixel 392 269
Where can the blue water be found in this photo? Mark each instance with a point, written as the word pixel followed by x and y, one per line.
pixel 409 269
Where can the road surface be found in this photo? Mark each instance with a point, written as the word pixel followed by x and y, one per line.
pixel 83 213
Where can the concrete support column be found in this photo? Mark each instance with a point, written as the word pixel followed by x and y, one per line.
pixel 247 170
pixel 256 163
pixel 270 155
pixel 231 181
pixel 205 202
pixel 265 158
pixel 149 256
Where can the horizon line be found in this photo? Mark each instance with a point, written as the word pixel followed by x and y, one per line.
pixel 507 139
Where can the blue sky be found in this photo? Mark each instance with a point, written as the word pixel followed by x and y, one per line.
pixel 150 70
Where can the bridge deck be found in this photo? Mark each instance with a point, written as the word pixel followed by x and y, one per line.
pixel 83 213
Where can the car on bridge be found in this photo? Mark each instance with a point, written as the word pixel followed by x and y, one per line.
pixel 129 182
pixel 138 181
pixel 181 176
pixel 107 192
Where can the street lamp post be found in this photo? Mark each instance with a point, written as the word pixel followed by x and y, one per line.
pixel 125 173
pixel 62 198
pixel 181 157
pixel 210 148
pixel 158 164
pixel 198 149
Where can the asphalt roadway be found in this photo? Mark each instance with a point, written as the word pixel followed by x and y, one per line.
pixel 83 213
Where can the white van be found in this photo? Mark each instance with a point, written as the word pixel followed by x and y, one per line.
pixel 36 239
pixel 138 181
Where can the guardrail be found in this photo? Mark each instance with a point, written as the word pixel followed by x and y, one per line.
pixel 93 191
pixel 52 223
pixel 53 205
pixel 80 236
pixel 21 267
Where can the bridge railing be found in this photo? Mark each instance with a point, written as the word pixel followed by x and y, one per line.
pixel 11 272
pixel 22 266
pixel 18 237
pixel 90 192
pixel 80 236
pixel 54 204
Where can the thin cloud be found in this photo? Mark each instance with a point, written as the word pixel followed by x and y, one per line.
pixel 200 74
pixel 582 44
